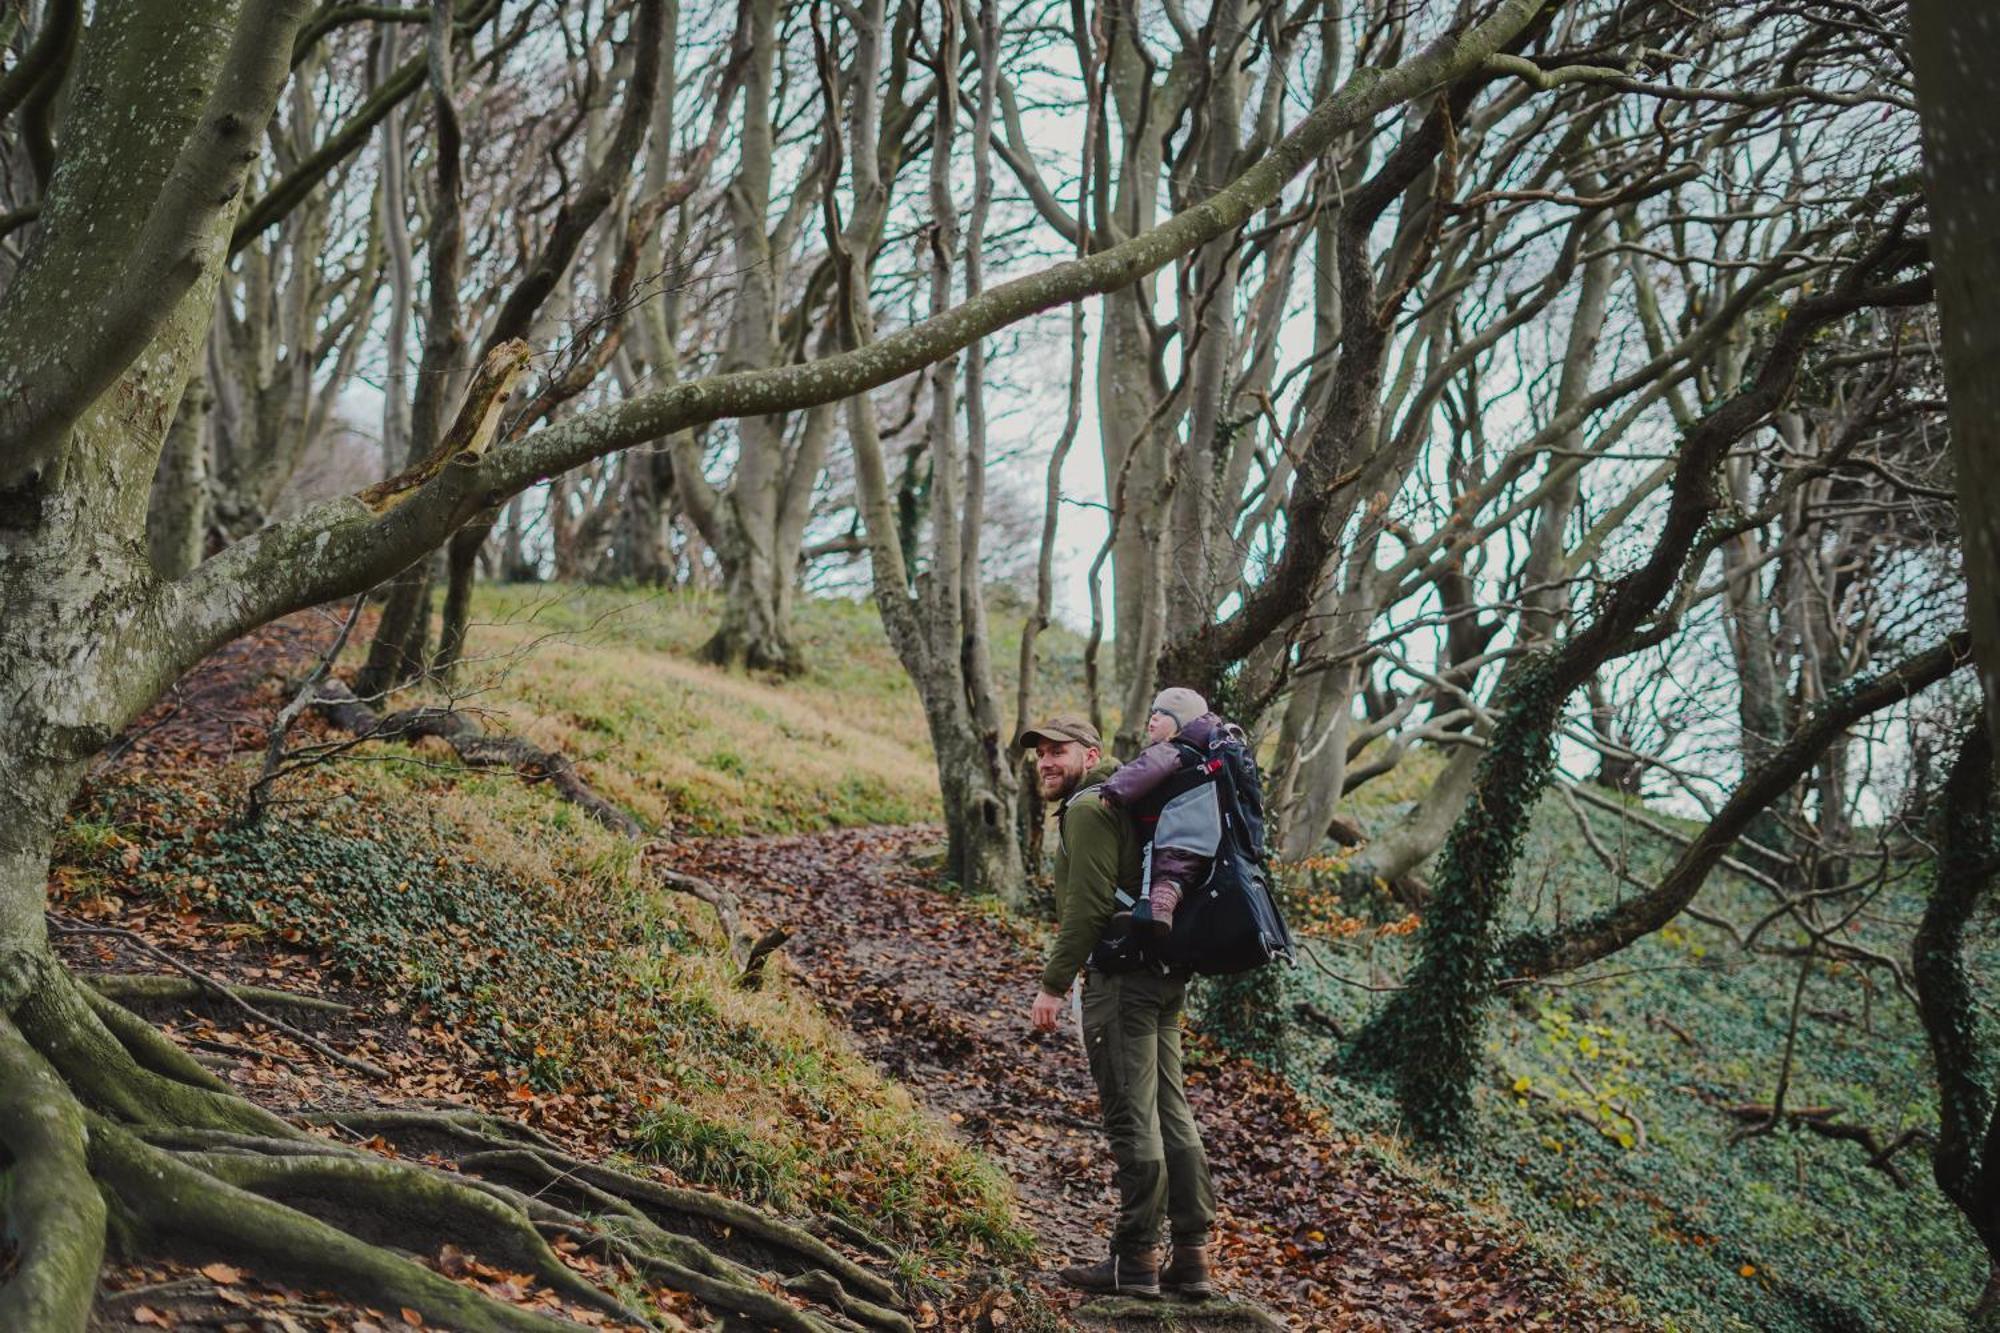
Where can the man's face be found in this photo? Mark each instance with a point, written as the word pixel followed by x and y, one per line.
pixel 1160 726
pixel 1060 766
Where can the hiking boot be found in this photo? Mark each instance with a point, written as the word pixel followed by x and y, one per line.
pixel 1186 1274
pixel 1117 1276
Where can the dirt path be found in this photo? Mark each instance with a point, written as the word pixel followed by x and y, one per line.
pixel 937 994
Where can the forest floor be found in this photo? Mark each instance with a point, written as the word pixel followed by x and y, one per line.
pixel 1319 1228
pixel 1313 1226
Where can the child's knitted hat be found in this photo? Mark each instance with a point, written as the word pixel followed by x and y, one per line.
pixel 1181 704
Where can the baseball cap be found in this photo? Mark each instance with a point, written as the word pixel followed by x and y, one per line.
pixel 1061 727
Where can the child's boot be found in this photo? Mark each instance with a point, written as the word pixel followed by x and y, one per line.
pixel 1154 917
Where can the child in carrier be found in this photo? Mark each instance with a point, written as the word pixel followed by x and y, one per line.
pixel 1178 715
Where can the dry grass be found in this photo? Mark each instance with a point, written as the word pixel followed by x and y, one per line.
pixel 607 677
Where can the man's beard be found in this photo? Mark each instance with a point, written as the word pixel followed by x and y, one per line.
pixel 1054 789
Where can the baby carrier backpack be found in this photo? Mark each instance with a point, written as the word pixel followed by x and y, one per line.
pixel 1213 805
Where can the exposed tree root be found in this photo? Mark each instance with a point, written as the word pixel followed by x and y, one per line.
pixel 409 1207
pixel 173 1206
pixel 134 1075
pixel 52 1211
pixel 821 1285
pixel 859 1237
pixel 465 1129
pixel 474 747
pixel 228 995
pixel 729 1295
pixel 140 990
pixel 672 1208
pixel 110 1132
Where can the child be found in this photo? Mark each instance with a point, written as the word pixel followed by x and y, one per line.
pixel 1176 863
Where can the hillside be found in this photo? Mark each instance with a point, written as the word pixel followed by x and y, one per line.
pixel 419 939
pixel 515 956
pixel 1611 1125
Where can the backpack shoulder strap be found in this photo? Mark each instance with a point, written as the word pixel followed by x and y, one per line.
pixel 1062 814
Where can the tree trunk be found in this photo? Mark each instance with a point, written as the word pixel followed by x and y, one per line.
pixel 982 847
pixel 461 563
pixel 1956 51
pixel 1312 743
pixel 177 520
pixel 755 631
pixel 759 524
pixel 396 653
pixel 1964 1161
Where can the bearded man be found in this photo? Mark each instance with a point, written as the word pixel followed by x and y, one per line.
pixel 1131 1021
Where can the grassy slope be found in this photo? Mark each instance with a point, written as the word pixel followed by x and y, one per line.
pixel 1674 1218
pixel 528 945
pixel 1785 1231
pixel 609 677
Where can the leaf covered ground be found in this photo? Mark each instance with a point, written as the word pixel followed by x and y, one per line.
pixel 1315 1225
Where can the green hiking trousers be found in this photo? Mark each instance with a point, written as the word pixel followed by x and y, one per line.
pixel 1132 1034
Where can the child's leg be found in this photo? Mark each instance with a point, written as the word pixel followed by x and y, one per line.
pixel 1155 915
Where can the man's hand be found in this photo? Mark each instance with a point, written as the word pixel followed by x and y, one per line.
pixel 1047 1010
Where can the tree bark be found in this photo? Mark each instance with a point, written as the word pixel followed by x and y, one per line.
pixel 177 520
pixel 1966 1162
pixel 1956 52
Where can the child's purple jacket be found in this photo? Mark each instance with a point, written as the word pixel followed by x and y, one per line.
pixel 1133 781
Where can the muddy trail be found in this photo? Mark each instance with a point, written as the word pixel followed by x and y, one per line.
pixel 1313 1229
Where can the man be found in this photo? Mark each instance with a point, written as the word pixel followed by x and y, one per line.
pixel 1131 1028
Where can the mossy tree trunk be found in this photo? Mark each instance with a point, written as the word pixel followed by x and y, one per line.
pixel 1956 51
pixel 1966 1161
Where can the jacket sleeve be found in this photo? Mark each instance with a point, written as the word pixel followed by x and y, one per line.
pixel 1091 830
pixel 1135 779
pixel 1185 868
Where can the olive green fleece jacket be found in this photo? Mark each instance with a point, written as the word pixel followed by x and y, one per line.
pixel 1097 851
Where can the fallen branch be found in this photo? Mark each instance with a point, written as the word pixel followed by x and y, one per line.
pixel 1822 1120
pixel 753 967
pixel 474 747
pixel 727 908
pixel 281 726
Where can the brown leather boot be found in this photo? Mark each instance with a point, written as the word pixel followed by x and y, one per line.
pixel 1186 1274
pixel 1119 1275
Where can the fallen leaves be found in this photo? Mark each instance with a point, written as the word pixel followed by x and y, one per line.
pixel 1312 1228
